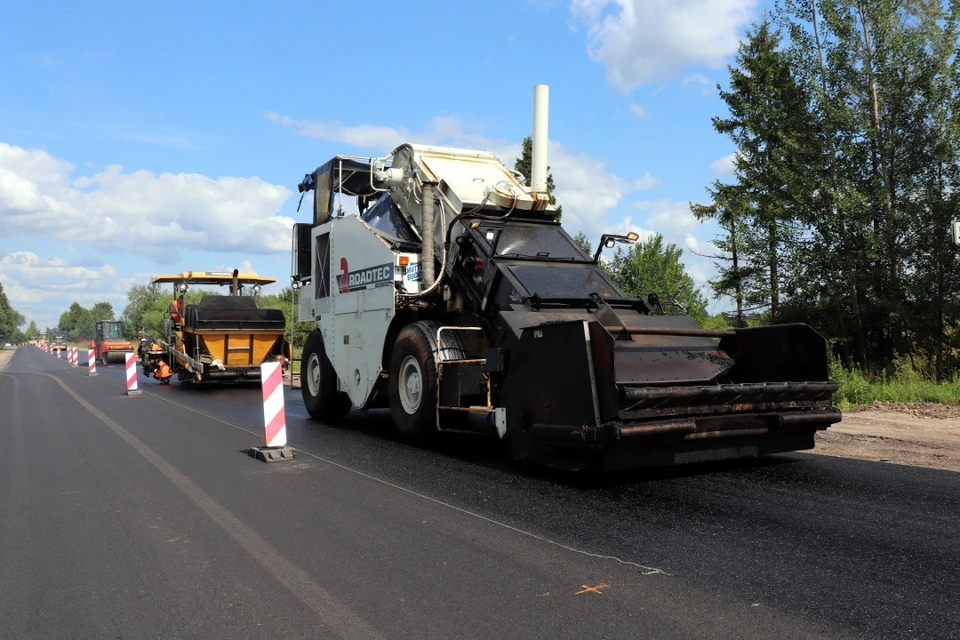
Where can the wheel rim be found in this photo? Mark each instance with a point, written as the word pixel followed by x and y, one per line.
pixel 313 375
pixel 410 384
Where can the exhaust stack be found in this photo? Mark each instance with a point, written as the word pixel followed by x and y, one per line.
pixel 538 162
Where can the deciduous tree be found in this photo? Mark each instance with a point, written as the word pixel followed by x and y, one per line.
pixel 650 267
pixel 10 319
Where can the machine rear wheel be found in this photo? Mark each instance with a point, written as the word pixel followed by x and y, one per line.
pixel 413 380
pixel 318 382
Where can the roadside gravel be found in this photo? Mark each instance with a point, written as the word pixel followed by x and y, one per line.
pixel 917 434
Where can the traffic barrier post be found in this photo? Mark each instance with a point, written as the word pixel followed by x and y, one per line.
pixel 91 363
pixel 131 366
pixel 274 416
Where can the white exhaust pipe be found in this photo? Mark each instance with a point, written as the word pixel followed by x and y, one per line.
pixel 538 161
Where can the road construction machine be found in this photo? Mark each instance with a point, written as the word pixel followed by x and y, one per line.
pixel 222 338
pixel 446 290
pixel 109 344
pixel 58 340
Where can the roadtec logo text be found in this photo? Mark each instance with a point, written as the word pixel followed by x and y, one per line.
pixel 363 278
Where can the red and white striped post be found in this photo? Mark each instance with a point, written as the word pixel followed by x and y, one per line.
pixel 75 356
pixel 274 417
pixel 91 363
pixel 131 365
pixel 274 414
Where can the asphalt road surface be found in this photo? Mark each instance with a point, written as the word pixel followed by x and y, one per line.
pixel 141 517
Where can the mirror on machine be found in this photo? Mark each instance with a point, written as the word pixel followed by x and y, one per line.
pixel 609 240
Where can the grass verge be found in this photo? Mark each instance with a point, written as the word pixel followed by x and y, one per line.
pixel 905 386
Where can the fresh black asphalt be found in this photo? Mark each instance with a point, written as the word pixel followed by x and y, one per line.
pixel 140 517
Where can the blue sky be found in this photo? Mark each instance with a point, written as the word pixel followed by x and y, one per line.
pixel 140 140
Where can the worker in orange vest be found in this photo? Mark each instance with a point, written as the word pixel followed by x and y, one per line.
pixel 163 372
pixel 176 310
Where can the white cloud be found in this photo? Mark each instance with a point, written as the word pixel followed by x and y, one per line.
pixel 723 168
pixel 42 288
pixel 638 111
pixel 140 212
pixel 669 218
pixel 644 41
pixel 644 182
pixel 699 275
pixel 697 78
pixel 440 130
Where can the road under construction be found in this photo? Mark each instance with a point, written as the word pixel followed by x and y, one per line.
pixel 141 516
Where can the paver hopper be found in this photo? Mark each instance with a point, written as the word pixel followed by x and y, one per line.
pixel 222 338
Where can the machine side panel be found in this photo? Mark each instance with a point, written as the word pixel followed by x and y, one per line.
pixel 362 303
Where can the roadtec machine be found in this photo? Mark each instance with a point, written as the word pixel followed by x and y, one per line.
pixel 223 338
pixel 455 292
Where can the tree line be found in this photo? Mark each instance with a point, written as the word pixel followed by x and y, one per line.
pixel 10 321
pixel 844 118
pixel 80 323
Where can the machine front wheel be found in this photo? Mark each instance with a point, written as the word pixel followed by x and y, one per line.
pixel 318 382
pixel 413 381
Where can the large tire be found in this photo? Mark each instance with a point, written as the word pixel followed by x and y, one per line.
pixel 318 382
pixel 413 380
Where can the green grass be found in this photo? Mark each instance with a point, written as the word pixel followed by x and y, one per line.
pixel 905 385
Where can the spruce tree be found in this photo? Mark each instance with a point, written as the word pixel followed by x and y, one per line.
pixel 524 165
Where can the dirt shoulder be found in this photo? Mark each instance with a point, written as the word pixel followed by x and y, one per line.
pixel 922 435
pixel 5 355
